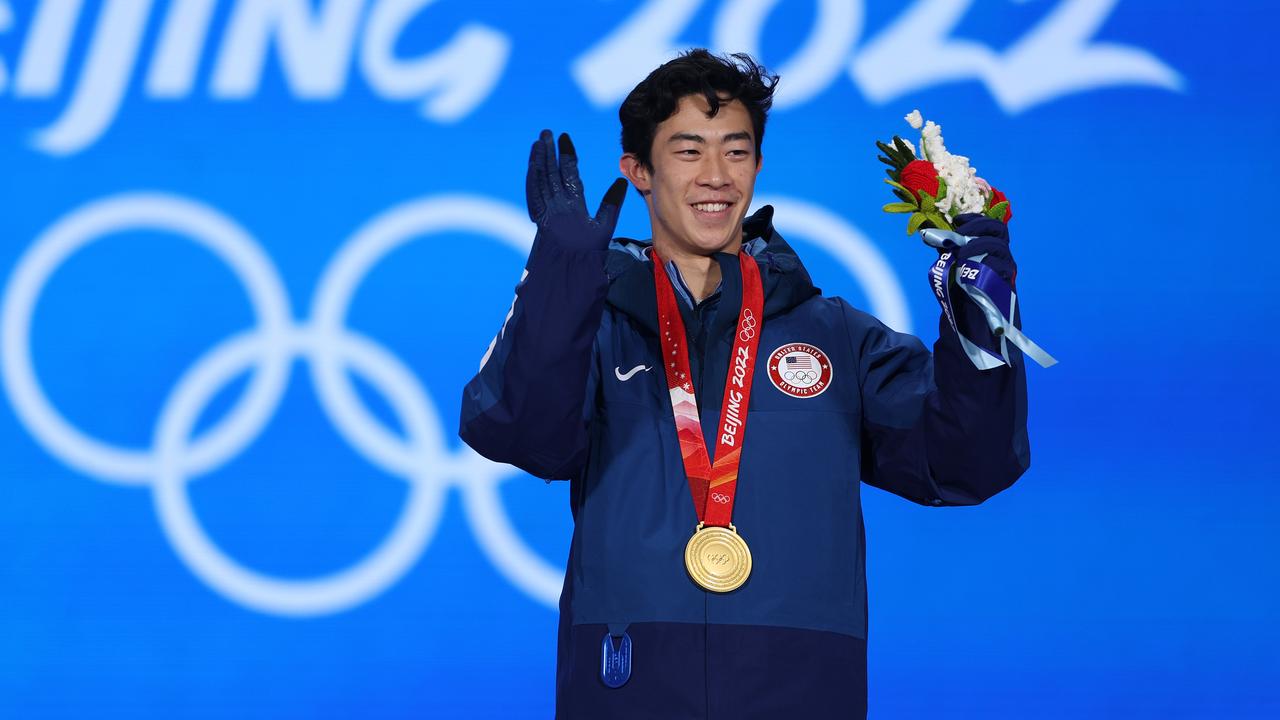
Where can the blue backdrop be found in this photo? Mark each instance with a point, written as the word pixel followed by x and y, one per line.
pixel 251 250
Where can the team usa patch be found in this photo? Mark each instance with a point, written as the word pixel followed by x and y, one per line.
pixel 800 370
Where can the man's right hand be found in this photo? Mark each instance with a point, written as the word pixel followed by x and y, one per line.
pixel 556 203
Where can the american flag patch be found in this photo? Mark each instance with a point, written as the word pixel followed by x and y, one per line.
pixel 799 362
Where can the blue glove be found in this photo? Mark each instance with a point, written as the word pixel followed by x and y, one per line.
pixel 554 195
pixel 975 235
pixel 990 237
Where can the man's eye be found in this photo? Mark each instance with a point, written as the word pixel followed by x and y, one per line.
pixel 739 153
pixel 689 152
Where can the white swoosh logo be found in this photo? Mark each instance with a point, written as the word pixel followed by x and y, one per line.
pixel 630 373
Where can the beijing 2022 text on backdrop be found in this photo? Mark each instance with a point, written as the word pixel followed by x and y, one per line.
pixel 251 250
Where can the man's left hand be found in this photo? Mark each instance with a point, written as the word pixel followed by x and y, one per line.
pixel 990 237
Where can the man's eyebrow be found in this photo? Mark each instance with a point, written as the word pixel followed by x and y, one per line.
pixel 692 137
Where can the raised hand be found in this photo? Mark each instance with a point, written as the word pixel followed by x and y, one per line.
pixel 990 237
pixel 553 191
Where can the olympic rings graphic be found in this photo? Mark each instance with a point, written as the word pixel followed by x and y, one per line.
pixel 332 352
pixel 749 323
pixel 268 349
pixel 801 376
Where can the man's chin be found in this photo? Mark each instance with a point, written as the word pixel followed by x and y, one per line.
pixel 711 246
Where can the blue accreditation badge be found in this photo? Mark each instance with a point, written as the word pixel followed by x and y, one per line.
pixel 615 659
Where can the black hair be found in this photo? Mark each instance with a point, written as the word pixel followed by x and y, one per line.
pixel 718 78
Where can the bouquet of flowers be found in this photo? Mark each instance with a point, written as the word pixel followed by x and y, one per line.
pixel 934 190
pixel 938 187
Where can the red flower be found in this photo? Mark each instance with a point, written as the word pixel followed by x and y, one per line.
pixel 920 175
pixel 998 197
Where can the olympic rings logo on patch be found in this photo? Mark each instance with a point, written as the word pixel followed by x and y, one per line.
pixel 804 377
pixel 720 498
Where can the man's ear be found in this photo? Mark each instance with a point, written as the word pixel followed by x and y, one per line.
pixel 635 171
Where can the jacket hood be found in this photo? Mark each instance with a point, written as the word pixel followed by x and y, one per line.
pixel 786 282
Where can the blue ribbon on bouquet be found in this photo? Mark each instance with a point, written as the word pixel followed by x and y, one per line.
pixel 989 292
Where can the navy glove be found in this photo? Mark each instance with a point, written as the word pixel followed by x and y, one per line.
pixel 554 195
pixel 990 237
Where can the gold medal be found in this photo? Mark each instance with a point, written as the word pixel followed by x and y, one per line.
pixel 717 558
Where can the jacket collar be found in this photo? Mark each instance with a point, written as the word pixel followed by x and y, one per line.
pixel 786 282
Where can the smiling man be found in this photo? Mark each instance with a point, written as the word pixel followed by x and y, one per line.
pixel 716 416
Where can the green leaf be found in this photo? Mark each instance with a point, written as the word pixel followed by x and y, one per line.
pixel 903 148
pixel 900 207
pixel 938 220
pixel 997 211
pixel 905 196
pixel 914 223
pixel 927 202
pixel 887 161
pixel 900 186
pixel 942 188
pixel 888 151
pixel 896 152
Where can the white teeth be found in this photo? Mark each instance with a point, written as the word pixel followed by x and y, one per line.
pixel 710 207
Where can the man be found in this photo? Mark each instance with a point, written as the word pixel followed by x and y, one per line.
pixel 734 589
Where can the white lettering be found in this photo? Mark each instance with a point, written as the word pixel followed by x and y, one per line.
pixel 6 22
pixel 173 67
pixel 112 55
pixel 456 77
pixel 608 71
pixel 315 50
pixel 733 418
pixel 740 366
pixel 1056 58
pixel 740 24
pixel 44 56
pixel 315 41
pixel 914 52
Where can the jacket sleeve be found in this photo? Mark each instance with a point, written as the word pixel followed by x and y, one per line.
pixel 526 405
pixel 935 429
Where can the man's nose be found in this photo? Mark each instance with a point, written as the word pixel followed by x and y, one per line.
pixel 714 173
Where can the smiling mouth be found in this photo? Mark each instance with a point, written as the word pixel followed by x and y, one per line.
pixel 711 207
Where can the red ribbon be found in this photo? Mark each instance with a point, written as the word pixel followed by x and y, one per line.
pixel 713 487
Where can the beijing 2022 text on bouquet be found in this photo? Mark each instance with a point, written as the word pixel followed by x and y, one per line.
pixel 934 191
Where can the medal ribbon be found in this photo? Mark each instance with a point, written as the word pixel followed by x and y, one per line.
pixel 712 486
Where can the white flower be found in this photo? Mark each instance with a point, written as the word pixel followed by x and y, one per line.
pixel 966 192
pixel 914 119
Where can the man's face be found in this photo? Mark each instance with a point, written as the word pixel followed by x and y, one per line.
pixel 704 172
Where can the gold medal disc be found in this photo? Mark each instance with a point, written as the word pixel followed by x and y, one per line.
pixel 717 558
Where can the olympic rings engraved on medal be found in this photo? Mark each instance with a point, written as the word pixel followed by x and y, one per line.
pixel 331 350
pixel 720 498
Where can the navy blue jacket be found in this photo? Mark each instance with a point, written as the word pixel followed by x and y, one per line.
pixel 550 398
